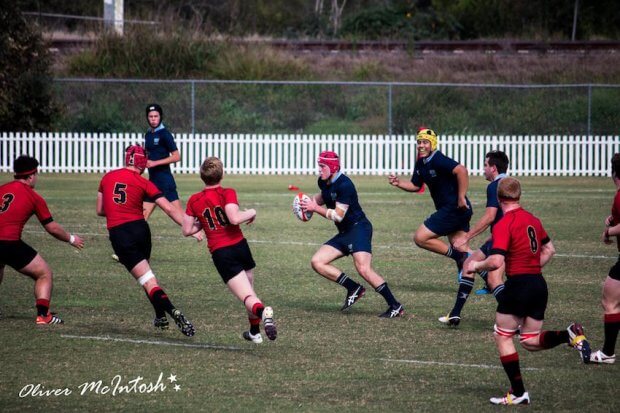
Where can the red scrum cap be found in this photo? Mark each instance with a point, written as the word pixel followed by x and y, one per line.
pixel 330 159
pixel 135 155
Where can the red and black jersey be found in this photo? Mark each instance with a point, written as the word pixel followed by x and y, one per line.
pixel 615 213
pixel 123 193
pixel 519 236
pixel 18 202
pixel 208 206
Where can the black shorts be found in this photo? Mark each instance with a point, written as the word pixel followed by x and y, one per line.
pixel 16 254
pixel 230 261
pixel 131 242
pixel 614 272
pixel 525 296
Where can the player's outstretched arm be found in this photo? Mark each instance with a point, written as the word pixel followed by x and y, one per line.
pixel 190 225
pixel 170 210
pixel 58 232
pixel 404 185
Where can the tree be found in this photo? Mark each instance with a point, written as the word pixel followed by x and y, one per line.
pixel 26 102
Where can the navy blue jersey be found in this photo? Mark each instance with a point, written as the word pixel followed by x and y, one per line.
pixel 436 172
pixel 159 144
pixel 342 190
pixel 493 200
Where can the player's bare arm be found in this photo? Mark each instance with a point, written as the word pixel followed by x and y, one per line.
pixel 190 225
pixel 462 178
pixel 404 185
pixel 610 231
pixel 100 210
pixel 237 217
pixel 546 253
pixel 58 232
pixel 170 210
pixel 173 158
pixel 479 227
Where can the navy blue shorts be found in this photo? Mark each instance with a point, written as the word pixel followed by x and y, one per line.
pixel 525 296
pixel 446 221
pixel 16 254
pixel 131 242
pixel 486 247
pixel 357 238
pixel 230 261
pixel 165 183
pixel 614 272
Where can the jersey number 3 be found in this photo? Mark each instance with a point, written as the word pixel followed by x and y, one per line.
pixel 6 202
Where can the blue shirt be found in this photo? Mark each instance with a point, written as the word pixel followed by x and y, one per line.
pixel 342 190
pixel 159 144
pixel 493 200
pixel 436 172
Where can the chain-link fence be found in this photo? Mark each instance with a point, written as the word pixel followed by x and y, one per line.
pixel 214 106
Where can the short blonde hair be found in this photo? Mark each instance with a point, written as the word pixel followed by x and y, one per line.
pixel 211 171
pixel 509 189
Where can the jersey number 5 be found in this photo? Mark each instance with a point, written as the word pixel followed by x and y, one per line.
pixel 6 202
pixel 120 193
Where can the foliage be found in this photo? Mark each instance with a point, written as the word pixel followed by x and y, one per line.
pixel 26 102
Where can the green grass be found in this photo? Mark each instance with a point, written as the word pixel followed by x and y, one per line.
pixel 323 360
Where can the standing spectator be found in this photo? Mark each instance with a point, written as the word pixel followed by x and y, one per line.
pixel 447 182
pixel 354 237
pixel 18 202
pixel 218 214
pixel 495 167
pixel 120 197
pixel 521 244
pixel 611 287
pixel 162 152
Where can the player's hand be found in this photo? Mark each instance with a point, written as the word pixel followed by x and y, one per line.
pixel 199 236
pixel 78 242
pixel 251 220
pixel 150 164
pixel 308 204
pixel 605 238
pixel 463 203
pixel 393 179
pixel 609 221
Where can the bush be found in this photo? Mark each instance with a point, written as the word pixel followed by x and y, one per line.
pixel 26 102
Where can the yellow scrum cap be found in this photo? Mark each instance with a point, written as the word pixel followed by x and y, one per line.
pixel 425 133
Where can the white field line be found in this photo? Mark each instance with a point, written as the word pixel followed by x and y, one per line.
pixel 441 363
pixel 316 244
pixel 158 343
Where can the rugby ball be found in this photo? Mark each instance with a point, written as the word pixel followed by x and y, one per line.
pixel 297 211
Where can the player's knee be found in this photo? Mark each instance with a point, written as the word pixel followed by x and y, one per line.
pixel 529 341
pixel 418 240
pixel 316 263
pixel 501 333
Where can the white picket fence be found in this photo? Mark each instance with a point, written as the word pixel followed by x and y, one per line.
pixel 296 154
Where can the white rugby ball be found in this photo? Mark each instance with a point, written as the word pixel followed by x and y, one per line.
pixel 297 211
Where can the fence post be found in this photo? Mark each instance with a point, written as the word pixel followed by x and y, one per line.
pixel 389 109
pixel 589 109
pixel 193 83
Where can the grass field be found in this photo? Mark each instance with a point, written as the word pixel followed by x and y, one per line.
pixel 323 360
